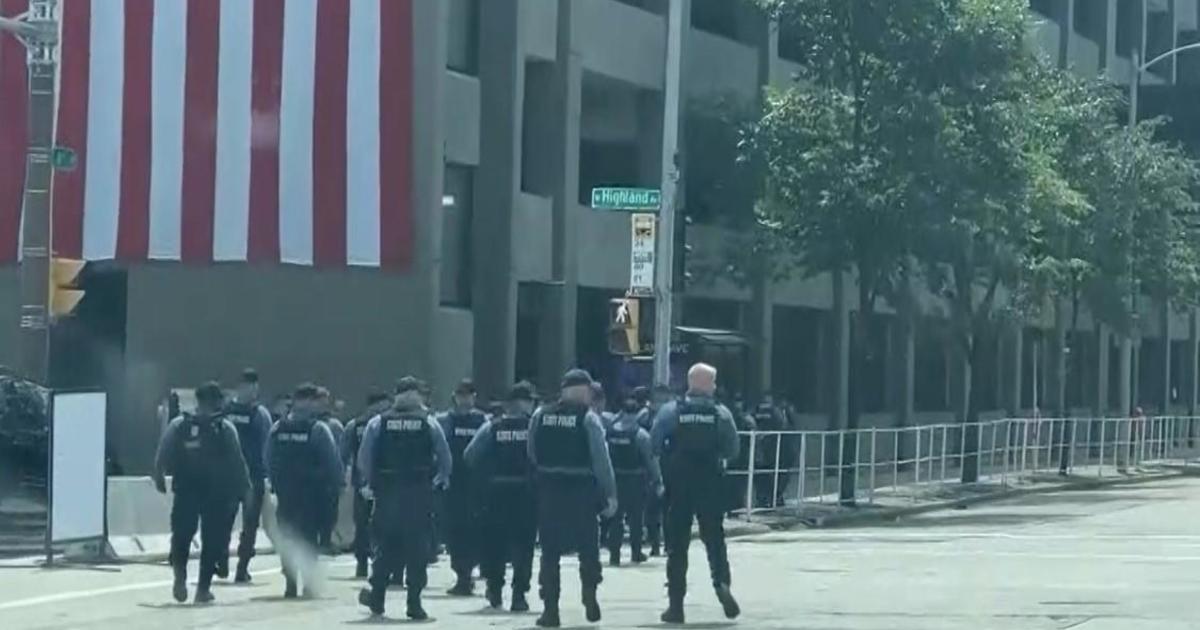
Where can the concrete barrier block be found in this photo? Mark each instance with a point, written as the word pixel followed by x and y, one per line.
pixel 135 507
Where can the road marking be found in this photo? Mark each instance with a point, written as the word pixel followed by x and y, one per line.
pixel 933 535
pixel 124 588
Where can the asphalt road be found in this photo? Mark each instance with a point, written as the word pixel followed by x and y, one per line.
pixel 1112 559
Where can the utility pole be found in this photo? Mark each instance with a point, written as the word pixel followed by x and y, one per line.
pixel 1125 363
pixel 665 263
pixel 38 30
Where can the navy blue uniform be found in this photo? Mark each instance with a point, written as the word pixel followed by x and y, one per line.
pixel 499 454
pixel 693 439
pixel 463 513
pixel 253 424
pixel 403 456
pixel 636 471
pixel 574 479
pixel 363 506
pixel 209 477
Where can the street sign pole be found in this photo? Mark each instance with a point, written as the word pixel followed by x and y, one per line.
pixel 38 30
pixel 665 265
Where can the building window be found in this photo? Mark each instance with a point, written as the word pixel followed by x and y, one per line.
pixel 716 16
pixel 457 207
pixel 789 44
pixel 1048 8
pixel 463 46
pixel 1091 20
pixel 1129 26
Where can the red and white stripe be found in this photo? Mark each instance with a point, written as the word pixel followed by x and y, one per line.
pixel 274 131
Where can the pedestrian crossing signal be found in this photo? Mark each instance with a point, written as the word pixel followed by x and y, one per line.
pixel 624 325
pixel 65 293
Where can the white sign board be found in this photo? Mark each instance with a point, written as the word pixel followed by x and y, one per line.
pixel 77 483
pixel 641 254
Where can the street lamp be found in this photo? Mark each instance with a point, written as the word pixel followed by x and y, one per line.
pixel 1136 68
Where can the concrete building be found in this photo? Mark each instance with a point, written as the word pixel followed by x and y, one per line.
pixel 518 112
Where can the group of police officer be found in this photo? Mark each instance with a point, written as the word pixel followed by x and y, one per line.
pixel 522 475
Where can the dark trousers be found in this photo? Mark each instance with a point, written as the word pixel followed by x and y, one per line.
pixel 631 507
pixel 510 516
pixel 567 522
pixel 402 526
pixel 251 517
pixel 328 520
pixel 464 536
pixel 654 517
pixel 212 517
pixel 362 527
pixel 299 513
pixel 689 500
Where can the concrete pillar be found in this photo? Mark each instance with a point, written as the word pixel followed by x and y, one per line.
pixel 1193 361
pixel 1011 352
pixel 501 77
pixel 1164 405
pixel 568 93
pixel 960 380
pixel 839 409
pixel 1102 341
pixel 1056 365
pixel 760 327
pixel 1110 53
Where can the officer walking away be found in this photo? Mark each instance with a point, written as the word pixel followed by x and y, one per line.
pixel 768 420
pixel 637 471
pixel 304 467
pixel 330 513
pixel 599 405
pixel 377 403
pixel 253 424
pixel 460 425
pixel 654 503
pixel 574 476
pixel 499 454
pixel 693 438
pixel 403 457
pixel 202 454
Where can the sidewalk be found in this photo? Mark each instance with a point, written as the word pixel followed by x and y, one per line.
pixel 906 500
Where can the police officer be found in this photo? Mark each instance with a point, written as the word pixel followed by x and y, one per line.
pixel 654 503
pixel 693 437
pixel 574 476
pixel 337 430
pixel 599 405
pixel 460 425
pixel 636 470
pixel 253 424
pixel 377 403
pixel 768 419
pixel 499 454
pixel 202 454
pixel 403 457
pixel 304 467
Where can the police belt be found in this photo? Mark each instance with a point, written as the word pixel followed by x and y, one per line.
pixel 567 471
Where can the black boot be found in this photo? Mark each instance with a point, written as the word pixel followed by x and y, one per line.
pixel 591 607
pixel 519 605
pixel 495 597
pixel 655 550
pixel 204 588
pixel 289 591
pixel 415 611
pixel 614 558
pixel 638 557
pixel 674 612
pixel 179 589
pixel 360 571
pixel 549 618
pixel 243 572
pixel 222 568
pixel 367 597
pixel 728 603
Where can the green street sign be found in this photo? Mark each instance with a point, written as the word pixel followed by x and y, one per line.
pixel 634 199
pixel 63 158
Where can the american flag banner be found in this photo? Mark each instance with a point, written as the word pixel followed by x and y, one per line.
pixel 265 131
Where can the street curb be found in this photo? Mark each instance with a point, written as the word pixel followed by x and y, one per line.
pixel 861 517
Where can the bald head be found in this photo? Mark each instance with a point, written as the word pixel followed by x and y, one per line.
pixel 702 379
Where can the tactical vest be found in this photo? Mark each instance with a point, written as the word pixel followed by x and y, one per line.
pixel 460 429
pixel 354 437
pixel 623 450
pixel 404 450
pixel 297 465
pixel 695 442
pixel 511 451
pixel 243 417
pixel 562 441
pixel 198 457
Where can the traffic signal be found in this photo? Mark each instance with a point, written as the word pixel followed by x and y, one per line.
pixel 623 325
pixel 65 293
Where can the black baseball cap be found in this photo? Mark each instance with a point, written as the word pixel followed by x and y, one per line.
pixel 210 392
pixel 523 390
pixel 576 377
pixel 465 386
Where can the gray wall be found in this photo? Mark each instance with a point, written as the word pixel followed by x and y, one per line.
pixel 9 314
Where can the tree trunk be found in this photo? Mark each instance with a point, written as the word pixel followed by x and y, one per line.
pixel 860 349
